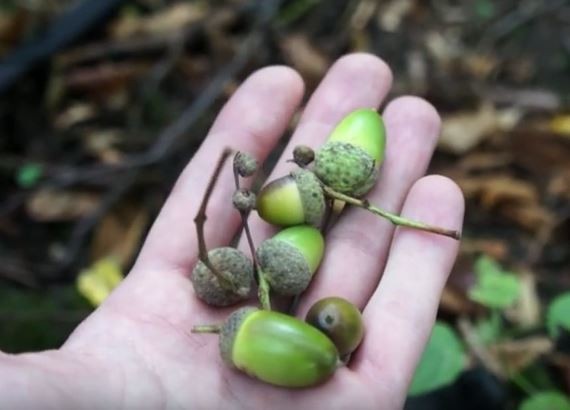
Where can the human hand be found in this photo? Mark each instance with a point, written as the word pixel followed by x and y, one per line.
pixel 137 349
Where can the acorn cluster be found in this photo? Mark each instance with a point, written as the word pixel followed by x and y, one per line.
pixel 266 344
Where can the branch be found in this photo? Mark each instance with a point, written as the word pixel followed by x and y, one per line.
pixel 395 219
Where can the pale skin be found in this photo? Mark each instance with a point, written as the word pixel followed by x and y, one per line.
pixel 137 351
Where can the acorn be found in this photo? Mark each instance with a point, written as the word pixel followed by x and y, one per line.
pixel 303 155
pixel 349 161
pixel 289 259
pixel 292 200
pixel 243 200
pixel 236 271
pixel 340 320
pixel 275 348
pixel 245 164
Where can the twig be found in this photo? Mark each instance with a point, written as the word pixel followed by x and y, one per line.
pixel 206 329
pixel 263 286
pixel 395 219
pixel 478 348
pixel 201 217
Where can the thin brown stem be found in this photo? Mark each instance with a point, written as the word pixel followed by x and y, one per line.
pixel 263 286
pixel 395 219
pixel 201 218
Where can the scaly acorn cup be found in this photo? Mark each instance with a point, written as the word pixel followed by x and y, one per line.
pixel 289 259
pixel 292 200
pixel 340 320
pixel 275 348
pixel 349 161
pixel 236 271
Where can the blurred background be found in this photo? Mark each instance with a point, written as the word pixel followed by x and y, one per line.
pixel 102 103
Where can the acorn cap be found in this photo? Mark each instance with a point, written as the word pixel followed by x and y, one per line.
pixel 349 161
pixel 290 258
pixel 232 264
pixel 229 331
pixel 292 200
pixel 243 200
pixel 345 168
pixel 245 164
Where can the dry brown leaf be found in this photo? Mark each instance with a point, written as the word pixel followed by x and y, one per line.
pixel 515 355
pixel 463 131
pixel 106 78
pixel 307 59
pixel 50 205
pixel 526 311
pixel 457 303
pixel 168 20
pixel 101 143
pixel 74 114
pixel 559 185
pixel 496 248
pixel 12 27
pixel 493 190
pixel 529 216
pixel 391 15
pixel 541 152
pixel 119 233
pixel 480 66
pixel 484 161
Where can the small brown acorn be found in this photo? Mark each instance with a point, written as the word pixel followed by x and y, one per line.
pixel 244 200
pixel 245 164
pixel 236 271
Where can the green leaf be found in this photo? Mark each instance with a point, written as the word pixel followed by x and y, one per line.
pixel 28 175
pixel 485 9
pixel 495 287
pixel 547 400
pixel 442 362
pixel 558 315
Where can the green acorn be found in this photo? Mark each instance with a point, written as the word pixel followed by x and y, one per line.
pixel 236 271
pixel 292 200
pixel 275 348
pixel 340 320
pixel 289 259
pixel 349 161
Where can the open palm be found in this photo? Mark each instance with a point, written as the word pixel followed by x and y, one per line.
pixel 137 351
